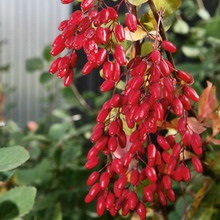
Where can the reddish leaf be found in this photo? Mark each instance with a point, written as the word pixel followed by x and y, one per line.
pixel 207 102
pixel 195 125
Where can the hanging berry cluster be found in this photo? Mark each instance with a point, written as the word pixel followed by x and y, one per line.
pixel 136 157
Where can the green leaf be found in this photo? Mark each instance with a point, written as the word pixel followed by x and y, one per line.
pixel 34 64
pixel 169 7
pixel 57 212
pixel 45 77
pixel 17 202
pixel 181 27
pixel 193 51
pixel 37 175
pixel 58 130
pixel 137 2
pixel 46 53
pixel 12 157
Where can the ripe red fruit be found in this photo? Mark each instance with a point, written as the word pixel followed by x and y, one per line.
pixel 104 180
pixel 151 154
pixel 132 200
pixel 68 78
pixel 159 111
pixel 113 15
pixel 95 189
pixel 92 163
pixel 186 77
pixel 92 178
pixel 131 22
pixel 66 1
pixel 186 174
pixel 100 206
pixel 101 56
pixel 86 4
pixel 122 181
pixel 197 164
pixel 119 32
pixel 110 200
pixel 162 198
pixel 163 142
pixel 167 183
pixel 97 132
pixel 88 67
pixel 168 46
pixel 119 55
pixel 107 85
pixel 141 210
pixel 148 194
pixel 135 177
pixel 93 152
pixel 155 56
pixel 151 174
pixel 190 93
pixel 101 35
pixel 196 143
pixel 171 195
pixel 177 107
pixel 164 68
pixel 112 144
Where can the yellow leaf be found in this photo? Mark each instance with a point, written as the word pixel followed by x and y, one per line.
pixel 139 34
pixel 137 2
pixel 169 7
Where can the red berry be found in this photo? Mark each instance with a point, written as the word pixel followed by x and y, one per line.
pixel 190 93
pixel 168 46
pixel 151 154
pixel 171 195
pixel 104 180
pixel 151 174
pixel 119 55
pixel 131 22
pixel 66 1
pixel 197 164
pixel 141 210
pixel 92 163
pixel 110 201
pixel 132 200
pixel 119 32
pixel 92 178
pixel 155 56
pixel 87 68
pixel 101 56
pixel 107 85
pixel 135 177
pixel 87 4
pixel 112 144
pixel 100 206
pixel 163 142
pixel 167 183
pixel 186 77
pixel 177 107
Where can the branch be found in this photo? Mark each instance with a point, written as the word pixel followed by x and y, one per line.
pixel 161 29
pixel 80 98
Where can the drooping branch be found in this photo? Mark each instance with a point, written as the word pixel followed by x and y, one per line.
pixel 161 29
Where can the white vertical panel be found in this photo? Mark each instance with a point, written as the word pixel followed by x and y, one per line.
pixel 27 26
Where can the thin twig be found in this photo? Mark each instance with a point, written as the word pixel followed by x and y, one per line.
pixel 161 29
pixel 80 98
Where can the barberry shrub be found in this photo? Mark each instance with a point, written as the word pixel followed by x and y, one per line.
pixel 147 135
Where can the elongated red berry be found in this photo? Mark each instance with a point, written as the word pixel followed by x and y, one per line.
pixel 119 32
pixel 87 4
pixel 196 143
pixel 171 195
pixel 132 200
pixel 151 154
pixel 151 174
pixel 107 85
pixel 66 1
pixel 92 178
pixel 163 142
pixel 190 93
pixel 141 210
pixel 92 163
pixel 104 180
pixel 155 56
pixel 197 164
pixel 100 206
pixel 119 55
pixel 168 46
pixel 101 56
pixel 95 189
pixel 112 144
pixel 186 77
pixel 110 200
pixel 131 22
pixel 167 182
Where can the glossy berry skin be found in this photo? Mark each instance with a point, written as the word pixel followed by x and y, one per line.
pixel 131 22
pixel 168 46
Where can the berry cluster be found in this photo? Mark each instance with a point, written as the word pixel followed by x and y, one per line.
pixel 139 160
